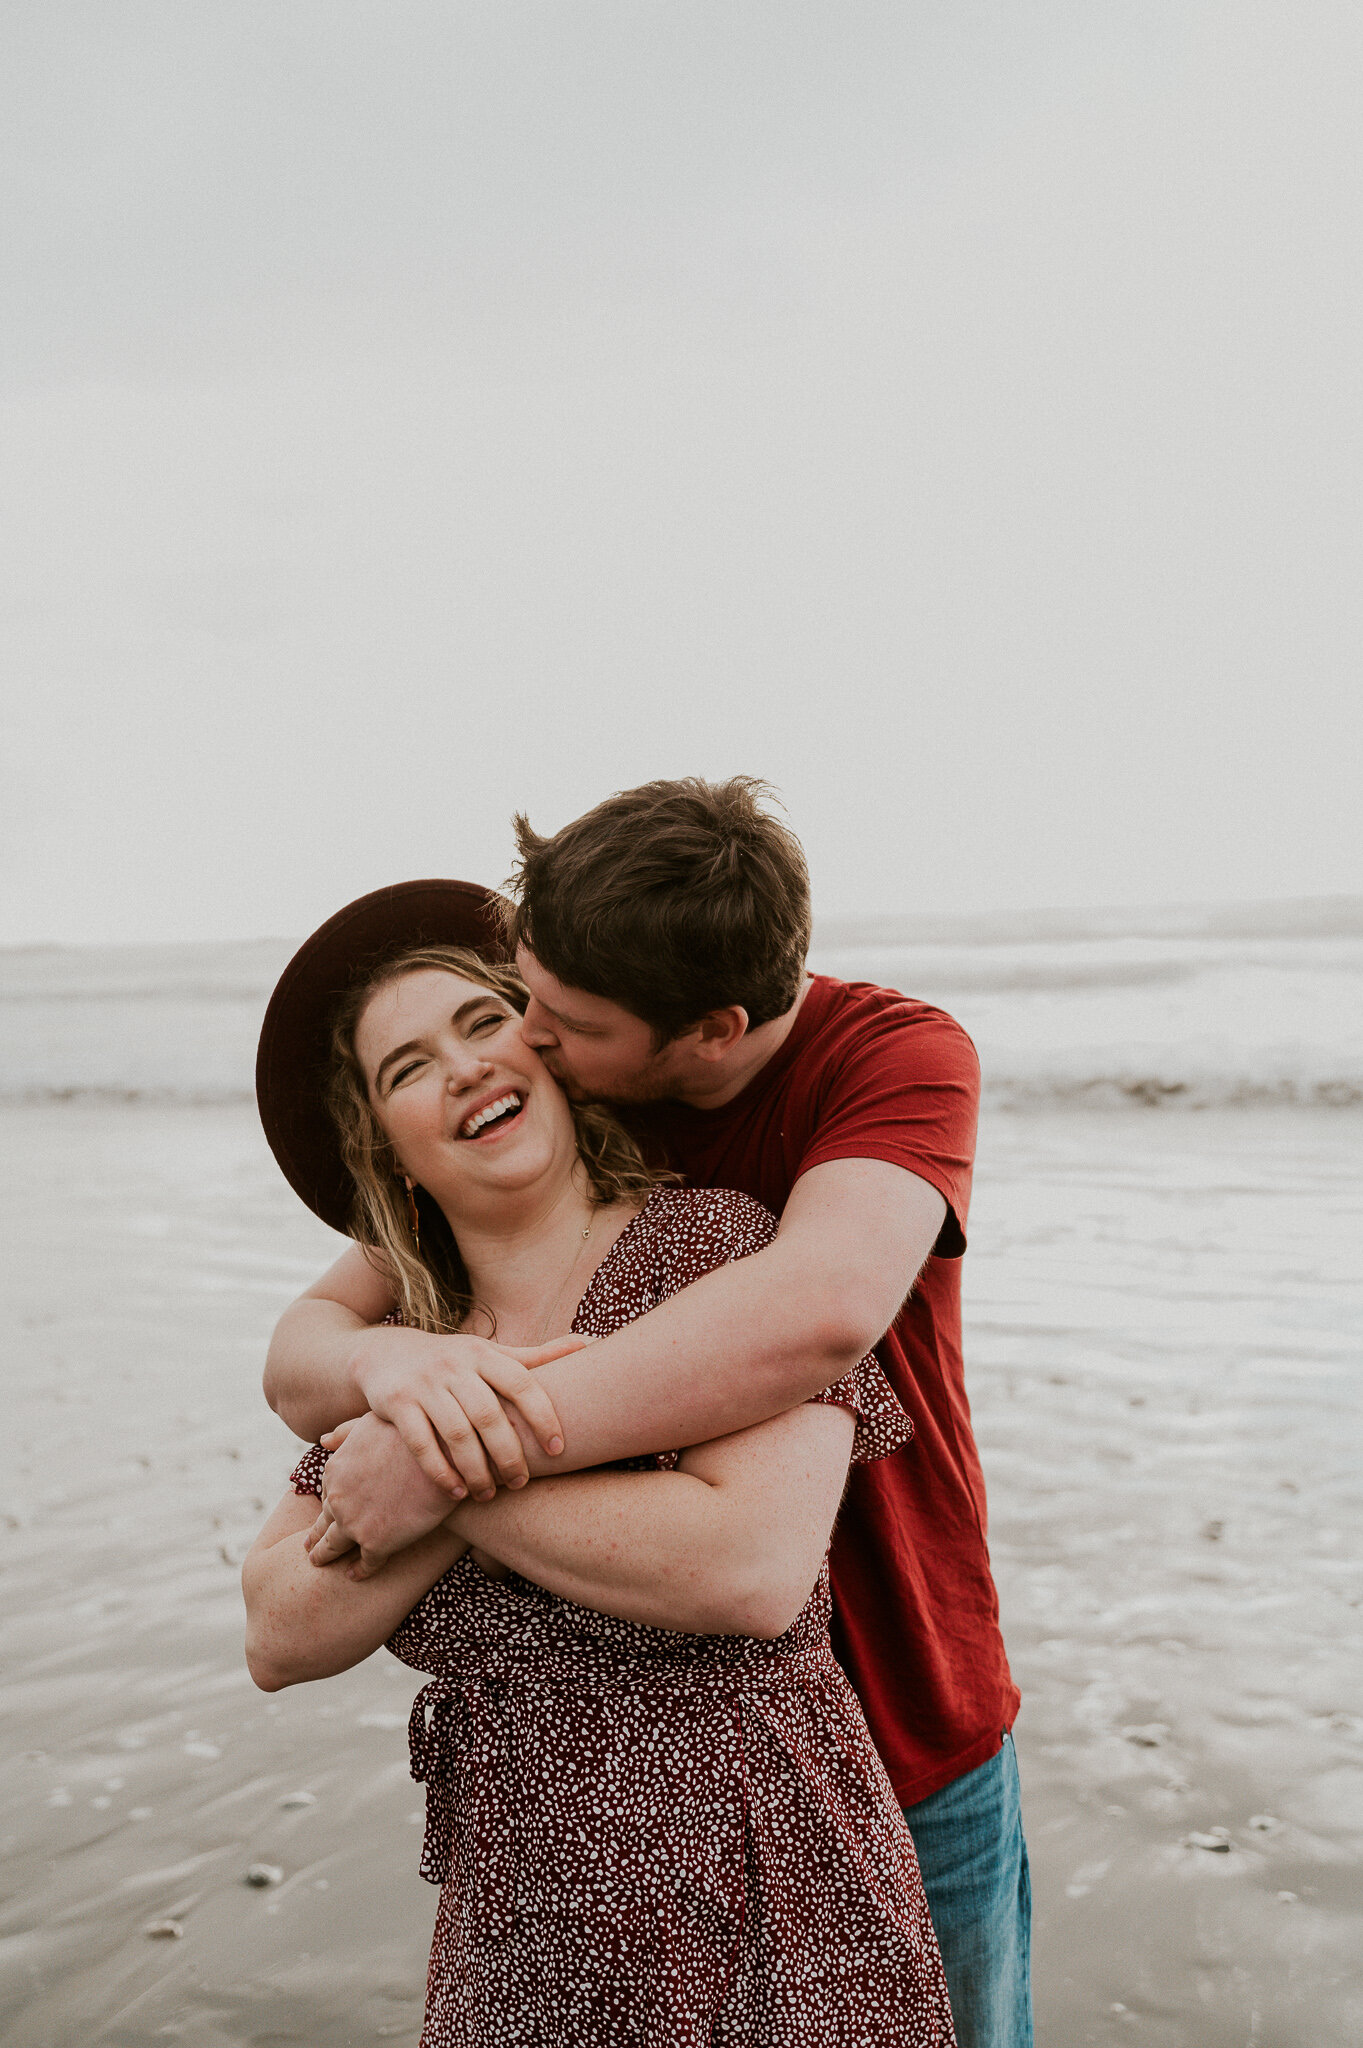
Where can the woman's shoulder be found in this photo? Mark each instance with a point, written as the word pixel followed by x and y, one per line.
pixel 678 1236
pixel 683 1208
pixel 703 1227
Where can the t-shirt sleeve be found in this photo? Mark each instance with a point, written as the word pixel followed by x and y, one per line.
pixel 306 1476
pixel 882 1425
pixel 905 1087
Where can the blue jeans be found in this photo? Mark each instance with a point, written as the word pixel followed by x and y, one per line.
pixel 974 1863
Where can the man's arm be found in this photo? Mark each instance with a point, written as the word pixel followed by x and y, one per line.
pixel 760 1335
pixel 311 1367
pixel 748 1341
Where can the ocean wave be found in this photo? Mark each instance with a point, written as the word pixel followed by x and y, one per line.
pixel 1245 1010
pixel 1137 1091
pixel 140 992
pixel 1022 1091
pixel 105 1094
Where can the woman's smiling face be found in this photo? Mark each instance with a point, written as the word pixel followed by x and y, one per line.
pixel 470 1108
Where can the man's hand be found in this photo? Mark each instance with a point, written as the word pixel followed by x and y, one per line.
pixel 375 1498
pixel 445 1395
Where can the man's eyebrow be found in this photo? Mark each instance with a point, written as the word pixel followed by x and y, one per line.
pixel 414 1044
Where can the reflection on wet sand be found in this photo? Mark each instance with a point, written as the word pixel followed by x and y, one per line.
pixel 1164 1319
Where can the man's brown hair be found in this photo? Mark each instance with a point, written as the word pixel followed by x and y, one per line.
pixel 672 900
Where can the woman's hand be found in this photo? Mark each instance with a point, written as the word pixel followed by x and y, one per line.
pixel 445 1395
pixel 394 1483
pixel 376 1500
pixel 393 1506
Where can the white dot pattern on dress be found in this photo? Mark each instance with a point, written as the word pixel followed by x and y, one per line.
pixel 646 1839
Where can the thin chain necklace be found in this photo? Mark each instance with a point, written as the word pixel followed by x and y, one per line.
pixel 564 1284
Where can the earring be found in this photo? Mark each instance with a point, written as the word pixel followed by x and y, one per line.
pixel 413 1217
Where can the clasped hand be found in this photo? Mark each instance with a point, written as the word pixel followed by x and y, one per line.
pixel 436 1432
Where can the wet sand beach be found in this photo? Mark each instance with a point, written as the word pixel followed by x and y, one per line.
pixel 1163 1315
pixel 1164 1318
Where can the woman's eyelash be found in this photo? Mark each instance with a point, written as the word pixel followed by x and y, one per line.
pixel 493 1017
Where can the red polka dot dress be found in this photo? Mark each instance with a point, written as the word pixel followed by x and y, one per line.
pixel 646 1839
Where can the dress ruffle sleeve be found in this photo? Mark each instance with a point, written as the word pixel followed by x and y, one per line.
pixel 882 1425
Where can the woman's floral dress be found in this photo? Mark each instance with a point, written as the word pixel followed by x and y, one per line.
pixel 646 1839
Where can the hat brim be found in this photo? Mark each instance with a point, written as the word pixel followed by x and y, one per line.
pixel 295 1039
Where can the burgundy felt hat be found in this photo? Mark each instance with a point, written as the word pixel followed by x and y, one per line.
pixel 295 1039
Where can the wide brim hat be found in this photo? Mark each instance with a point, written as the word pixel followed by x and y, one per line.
pixel 295 1039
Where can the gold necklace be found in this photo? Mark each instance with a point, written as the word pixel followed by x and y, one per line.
pixel 564 1285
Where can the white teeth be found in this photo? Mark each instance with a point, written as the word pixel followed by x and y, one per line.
pixel 485 1115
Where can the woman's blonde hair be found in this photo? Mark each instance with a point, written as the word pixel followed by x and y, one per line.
pixel 432 1282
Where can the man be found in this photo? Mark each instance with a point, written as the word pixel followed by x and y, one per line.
pixel 662 938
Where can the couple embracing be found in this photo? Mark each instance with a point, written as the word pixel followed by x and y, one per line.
pixel 641 1431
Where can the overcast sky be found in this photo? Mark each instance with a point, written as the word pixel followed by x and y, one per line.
pixel 413 411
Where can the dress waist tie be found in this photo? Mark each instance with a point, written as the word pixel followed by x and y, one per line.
pixel 455 1755
pixel 458 1734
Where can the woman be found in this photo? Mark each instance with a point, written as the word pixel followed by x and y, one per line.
pixel 657 1817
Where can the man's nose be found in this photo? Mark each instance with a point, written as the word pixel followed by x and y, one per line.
pixel 536 1029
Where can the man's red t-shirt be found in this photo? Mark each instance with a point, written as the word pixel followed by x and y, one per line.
pixel 869 1074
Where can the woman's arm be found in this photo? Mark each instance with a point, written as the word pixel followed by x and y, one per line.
pixel 302 1623
pixel 729 1544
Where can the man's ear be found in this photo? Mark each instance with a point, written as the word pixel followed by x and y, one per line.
pixel 719 1032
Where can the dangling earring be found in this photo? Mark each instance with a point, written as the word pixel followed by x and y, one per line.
pixel 413 1217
